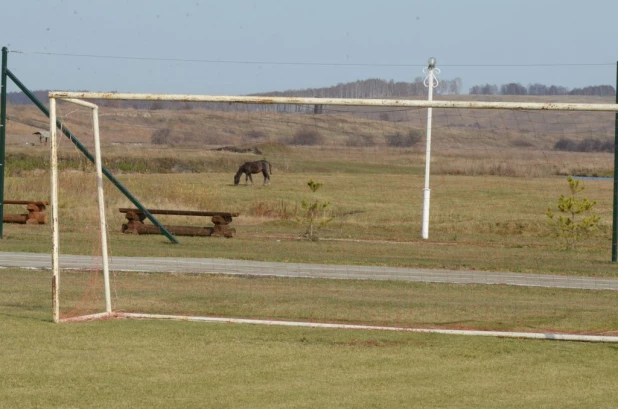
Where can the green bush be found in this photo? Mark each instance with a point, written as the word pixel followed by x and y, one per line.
pixel 575 221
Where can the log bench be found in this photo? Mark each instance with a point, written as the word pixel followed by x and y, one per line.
pixel 35 213
pixel 221 220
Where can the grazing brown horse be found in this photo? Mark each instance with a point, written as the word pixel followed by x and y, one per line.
pixel 254 167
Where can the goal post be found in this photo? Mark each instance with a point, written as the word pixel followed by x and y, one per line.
pixel 615 185
pixel 201 285
pixel 54 204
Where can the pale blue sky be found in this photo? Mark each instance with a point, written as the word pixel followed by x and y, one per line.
pixel 230 47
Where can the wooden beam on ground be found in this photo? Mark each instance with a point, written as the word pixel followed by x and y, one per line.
pixel 35 213
pixel 139 228
pixel 15 218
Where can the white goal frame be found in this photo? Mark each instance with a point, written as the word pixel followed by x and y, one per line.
pixel 76 98
pixel 54 203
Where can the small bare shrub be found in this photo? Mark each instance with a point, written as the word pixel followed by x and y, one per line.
pixel 309 137
pixel 360 141
pixel 587 145
pixel 255 134
pixel 596 145
pixel 404 140
pixel 161 137
pixel 314 216
pixel 521 143
pixel 201 139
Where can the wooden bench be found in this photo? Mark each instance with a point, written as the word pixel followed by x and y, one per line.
pixel 221 220
pixel 35 213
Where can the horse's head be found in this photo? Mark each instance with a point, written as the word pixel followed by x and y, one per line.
pixel 237 178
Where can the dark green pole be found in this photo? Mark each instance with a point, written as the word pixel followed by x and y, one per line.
pixel 5 52
pixel 615 212
pixel 87 153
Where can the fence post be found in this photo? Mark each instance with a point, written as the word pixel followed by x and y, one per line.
pixel 2 136
pixel 615 205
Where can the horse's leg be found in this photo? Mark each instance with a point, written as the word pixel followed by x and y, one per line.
pixel 266 177
pixel 249 177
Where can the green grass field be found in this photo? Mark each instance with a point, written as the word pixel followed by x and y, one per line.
pixel 365 302
pixel 155 364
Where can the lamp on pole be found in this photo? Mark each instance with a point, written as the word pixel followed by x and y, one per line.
pixel 430 82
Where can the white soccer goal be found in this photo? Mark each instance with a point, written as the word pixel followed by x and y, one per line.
pixel 54 202
pixel 494 136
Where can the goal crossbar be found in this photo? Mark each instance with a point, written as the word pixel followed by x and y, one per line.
pixel 410 103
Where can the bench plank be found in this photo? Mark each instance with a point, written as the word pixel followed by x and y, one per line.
pixel 26 202
pixel 179 212
pixel 139 228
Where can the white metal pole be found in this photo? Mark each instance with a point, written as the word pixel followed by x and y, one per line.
pixel 101 202
pixel 54 205
pixel 430 82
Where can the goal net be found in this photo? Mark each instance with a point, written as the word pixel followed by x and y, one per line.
pixel 335 238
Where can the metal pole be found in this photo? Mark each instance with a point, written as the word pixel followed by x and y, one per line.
pixel 101 202
pixel 615 206
pixel 2 136
pixel 429 82
pixel 53 157
pixel 412 103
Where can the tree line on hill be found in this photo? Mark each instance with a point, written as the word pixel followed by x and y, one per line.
pixel 372 88
pixel 541 89
pixel 378 88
